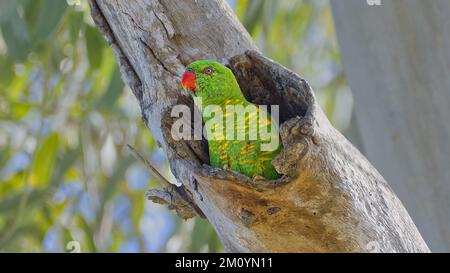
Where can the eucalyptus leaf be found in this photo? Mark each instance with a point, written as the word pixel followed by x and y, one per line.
pixel 43 161
pixel 113 92
pixel 94 45
pixel 49 17
pixel 75 21
pixel 16 37
pixel 7 8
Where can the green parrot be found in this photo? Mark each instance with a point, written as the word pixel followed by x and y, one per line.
pixel 213 84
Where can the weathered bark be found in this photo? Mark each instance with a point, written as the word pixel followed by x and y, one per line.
pixel 396 59
pixel 330 197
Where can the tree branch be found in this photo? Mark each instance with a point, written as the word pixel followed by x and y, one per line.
pixel 173 196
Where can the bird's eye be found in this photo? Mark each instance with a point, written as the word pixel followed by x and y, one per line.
pixel 208 70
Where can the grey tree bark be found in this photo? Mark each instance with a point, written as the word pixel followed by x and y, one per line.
pixel 330 198
pixel 397 61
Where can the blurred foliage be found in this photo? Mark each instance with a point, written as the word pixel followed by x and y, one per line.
pixel 65 117
pixel 300 34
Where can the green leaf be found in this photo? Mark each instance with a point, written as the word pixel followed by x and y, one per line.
pixel 113 92
pixel 94 45
pixel 5 154
pixel 138 205
pixel 66 237
pixel 199 235
pixel 90 243
pixel 10 203
pixel 75 23
pixel 37 197
pixel 43 161
pixel 31 13
pixel 20 109
pixel 214 243
pixel 6 66
pixel 62 165
pixel 50 14
pixel 16 36
pixel 7 7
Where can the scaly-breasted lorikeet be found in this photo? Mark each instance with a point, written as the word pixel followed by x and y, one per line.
pixel 216 85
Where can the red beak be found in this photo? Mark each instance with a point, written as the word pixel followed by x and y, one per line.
pixel 188 80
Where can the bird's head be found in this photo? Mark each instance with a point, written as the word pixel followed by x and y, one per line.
pixel 209 79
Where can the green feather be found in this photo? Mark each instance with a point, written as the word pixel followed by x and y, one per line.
pixel 241 155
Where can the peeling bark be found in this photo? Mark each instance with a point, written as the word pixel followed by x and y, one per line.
pixel 330 198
